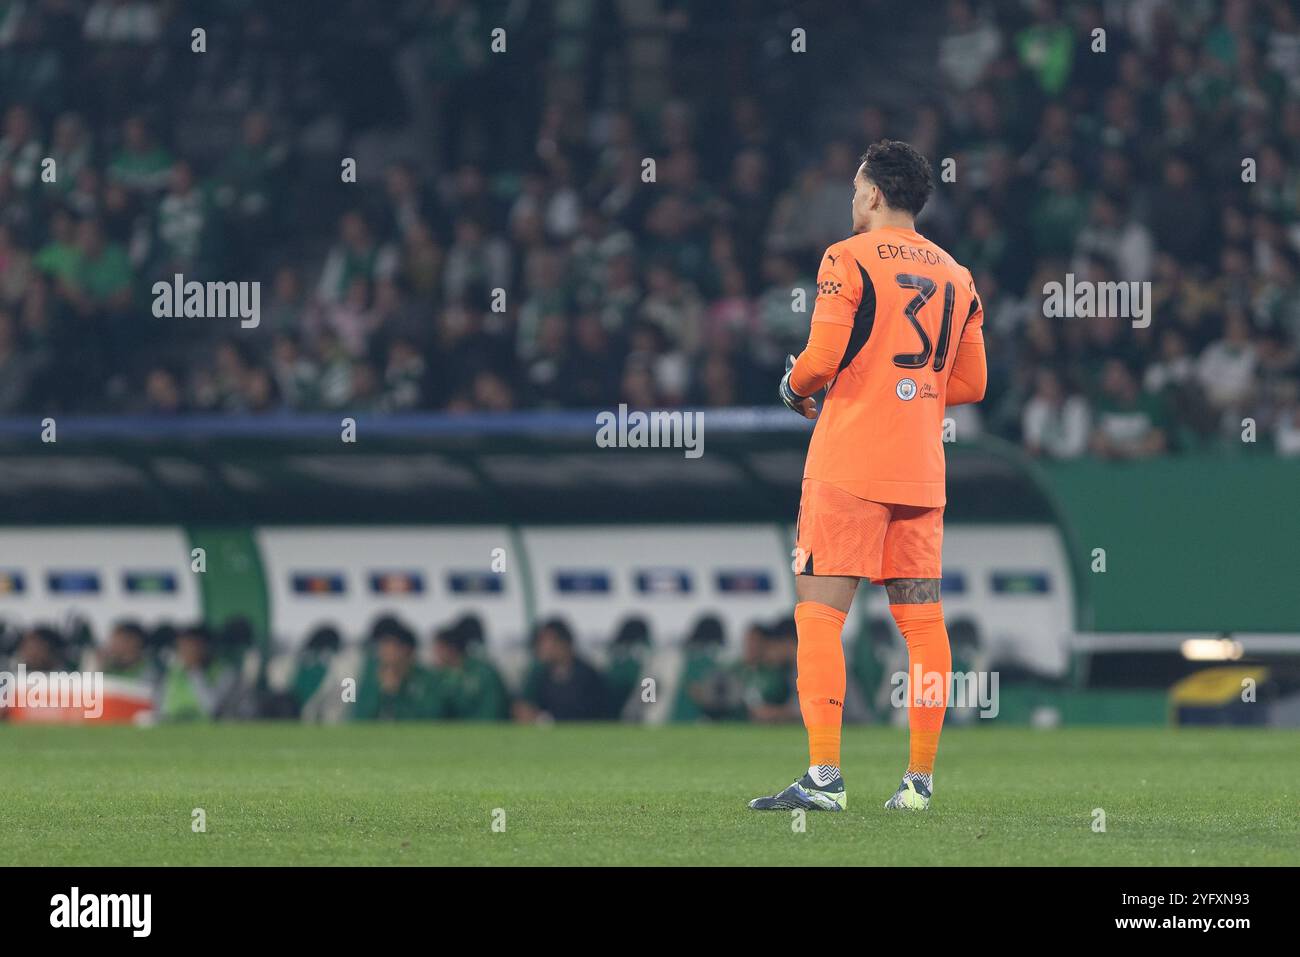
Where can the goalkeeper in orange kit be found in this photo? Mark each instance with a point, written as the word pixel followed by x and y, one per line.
pixel 897 336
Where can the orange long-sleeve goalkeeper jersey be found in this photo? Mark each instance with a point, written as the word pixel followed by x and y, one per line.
pixel 911 328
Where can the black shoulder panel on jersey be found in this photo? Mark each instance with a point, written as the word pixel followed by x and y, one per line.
pixel 974 304
pixel 863 320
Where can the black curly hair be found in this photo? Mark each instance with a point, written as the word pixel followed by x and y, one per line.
pixel 900 172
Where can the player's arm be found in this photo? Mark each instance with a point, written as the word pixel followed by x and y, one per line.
pixel 839 290
pixel 970 374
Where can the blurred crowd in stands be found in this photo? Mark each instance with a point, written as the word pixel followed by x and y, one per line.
pixel 501 248
pixel 195 673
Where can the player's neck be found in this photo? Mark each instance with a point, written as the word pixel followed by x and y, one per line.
pixel 890 219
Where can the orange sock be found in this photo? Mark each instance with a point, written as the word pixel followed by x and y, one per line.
pixel 821 678
pixel 928 651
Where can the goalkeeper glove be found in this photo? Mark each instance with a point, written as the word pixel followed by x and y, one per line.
pixel 804 405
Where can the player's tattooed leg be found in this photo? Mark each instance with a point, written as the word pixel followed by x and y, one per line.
pixel 912 591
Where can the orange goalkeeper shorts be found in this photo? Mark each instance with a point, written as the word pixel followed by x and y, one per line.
pixel 841 534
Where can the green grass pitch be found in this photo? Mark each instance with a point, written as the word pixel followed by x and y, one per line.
pixel 426 794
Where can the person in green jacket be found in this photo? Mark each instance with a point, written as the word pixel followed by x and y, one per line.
pixel 199 685
pixel 395 687
pixel 873 659
pixel 469 687
pixel 313 664
pixel 766 673
pixel 626 671
pixel 707 688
